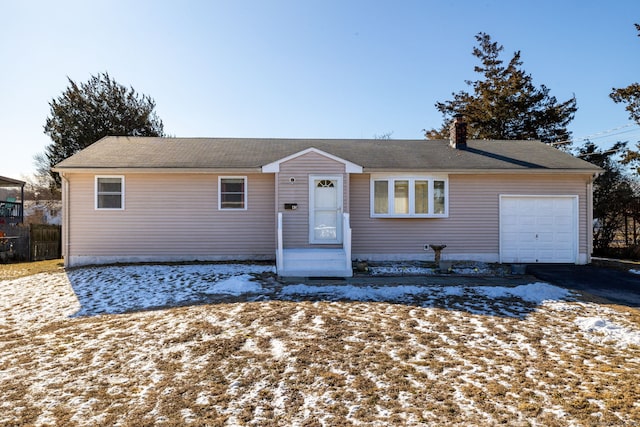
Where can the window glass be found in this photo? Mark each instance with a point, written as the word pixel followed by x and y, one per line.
pixel 409 196
pixel 109 193
pixel 325 194
pixel 438 199
pixel 109 185
pixel 422 197
pixel 381 197
pixel 109 201
pixel 401 197
pixel 232 193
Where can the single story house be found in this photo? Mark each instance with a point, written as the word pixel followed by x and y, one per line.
pixel 314 205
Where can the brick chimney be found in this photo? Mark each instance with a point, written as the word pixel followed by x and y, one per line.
pixel 458 133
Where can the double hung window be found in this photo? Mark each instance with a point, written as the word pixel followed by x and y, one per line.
pixel 232 193
pixel 110 192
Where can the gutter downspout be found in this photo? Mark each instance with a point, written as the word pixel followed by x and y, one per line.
pixel 22 209
pixel 65 218
pixel 590 217
pixel 278 217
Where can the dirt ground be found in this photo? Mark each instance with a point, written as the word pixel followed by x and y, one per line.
pixel 450 357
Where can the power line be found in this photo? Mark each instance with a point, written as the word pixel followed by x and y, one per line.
pixel 604 133
pixel 600 153
pixel 600 135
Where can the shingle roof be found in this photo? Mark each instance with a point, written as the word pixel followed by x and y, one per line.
pixel 371 154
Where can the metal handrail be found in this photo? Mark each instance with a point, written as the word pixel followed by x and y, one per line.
pixel 280 248
pixel 346 239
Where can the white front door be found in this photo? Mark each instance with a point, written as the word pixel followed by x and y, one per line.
pixel 325 209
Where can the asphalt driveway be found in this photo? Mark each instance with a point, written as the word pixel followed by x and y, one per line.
pixel 613 284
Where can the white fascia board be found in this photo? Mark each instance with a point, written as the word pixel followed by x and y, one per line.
pixel 218 171
pixel 381 171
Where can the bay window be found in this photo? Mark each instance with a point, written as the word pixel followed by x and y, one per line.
pixel 401 196
pixel 381 197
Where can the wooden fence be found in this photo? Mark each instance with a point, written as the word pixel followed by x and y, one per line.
pixel 45 242
pixel 33 242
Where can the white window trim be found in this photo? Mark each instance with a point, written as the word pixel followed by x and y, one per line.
pixel 246 192
pixel 122 198
pixel 391 178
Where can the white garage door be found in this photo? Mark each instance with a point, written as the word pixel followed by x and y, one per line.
pixel 538 229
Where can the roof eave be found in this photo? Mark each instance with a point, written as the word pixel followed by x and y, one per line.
pixel 11 182
pixel 164 170
pixel 484 171
pixel 172 170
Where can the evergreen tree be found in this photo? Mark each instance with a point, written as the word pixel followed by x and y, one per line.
pixel 630 95
pixel 505 104
pixel 613 193
pixel 89 111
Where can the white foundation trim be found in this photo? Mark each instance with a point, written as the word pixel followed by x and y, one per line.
pixel 84 260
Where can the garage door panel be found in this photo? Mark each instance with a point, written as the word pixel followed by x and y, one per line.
pixel 545 220
pixel 510 241
pixel 563 236
pixel 562 214
pixel 563 221
pixel 546 256
pixel 547 235
pixel 518 239
pixel 510 221
pixel 527 220
pixel 511 228
pixel 538 229
pixel 543 205
pixel 525 253
pixel 546 242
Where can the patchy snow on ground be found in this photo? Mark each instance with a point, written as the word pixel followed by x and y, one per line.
pixel 355 293
pixel 229 345
pixel 400 270
pixel 237 285
pixel 121 289
pixel 118 289
pixel 415 269
pixel 605 331
pixel 535 292
pixel 634 271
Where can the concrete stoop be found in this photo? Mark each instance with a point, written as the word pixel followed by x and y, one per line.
pixel 315 263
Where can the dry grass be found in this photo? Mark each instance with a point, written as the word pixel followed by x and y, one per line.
pixel 304 363
pixel 314 363
pixel 23 269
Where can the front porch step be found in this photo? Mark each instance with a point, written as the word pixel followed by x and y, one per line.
pixel 315 263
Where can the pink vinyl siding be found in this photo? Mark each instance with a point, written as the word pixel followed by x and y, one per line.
pixel 472 228
pixel 176 217
pixel 171 217
pixel 296 223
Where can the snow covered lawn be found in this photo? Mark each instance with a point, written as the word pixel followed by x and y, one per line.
pixel 211 345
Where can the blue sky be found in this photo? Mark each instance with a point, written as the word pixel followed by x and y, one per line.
pixel 322 69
